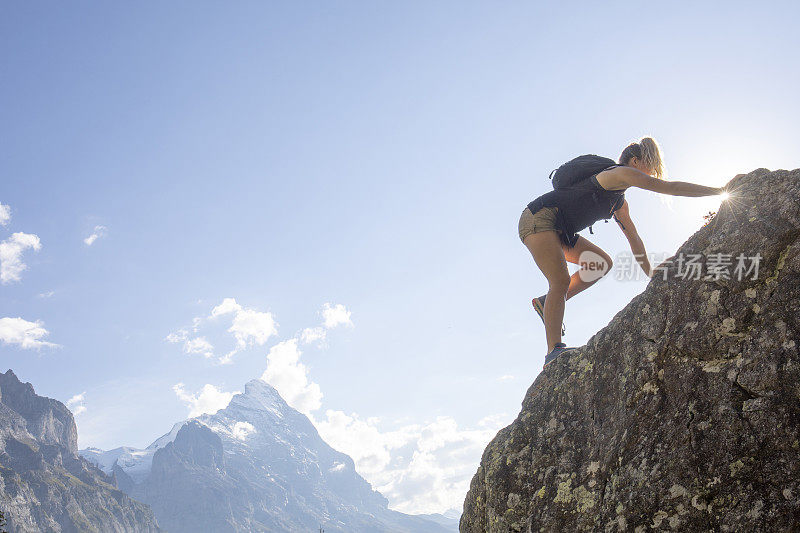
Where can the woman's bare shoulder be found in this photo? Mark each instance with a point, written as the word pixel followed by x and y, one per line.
pixel 612 179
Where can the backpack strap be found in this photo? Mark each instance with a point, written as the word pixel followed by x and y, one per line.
pixel 614 214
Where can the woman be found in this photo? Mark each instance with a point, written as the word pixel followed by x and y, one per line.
pixel 549 224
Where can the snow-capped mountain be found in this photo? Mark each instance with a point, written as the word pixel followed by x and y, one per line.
pixel 257 465
pixel 134 462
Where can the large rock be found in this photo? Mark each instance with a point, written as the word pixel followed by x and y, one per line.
pixel 44 484
pixel 684 412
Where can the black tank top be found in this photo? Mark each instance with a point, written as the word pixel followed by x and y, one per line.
pixel 579 206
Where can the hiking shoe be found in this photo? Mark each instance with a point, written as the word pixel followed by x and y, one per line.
pixel 538 306
pixel 558 350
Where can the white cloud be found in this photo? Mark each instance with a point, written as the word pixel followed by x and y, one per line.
pixel 99 231
pixel 252 327
pixel 335 315
pixel 199 345
pixel 209 400
pixel 5 214
pixel 177 336
pixel 310 335
pixel 47 294
pixel 420 468
pixel 228 305
pixel 242 429
pixel 191 345
pixel 11 265
pixel 506 377
pixel 360 439
pixel 249 327
pixel 75 404
pixel 239 430
pixel 23 333
pixel 289 376
pixel 332 316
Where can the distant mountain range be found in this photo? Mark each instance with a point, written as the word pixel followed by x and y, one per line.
pixel 257 465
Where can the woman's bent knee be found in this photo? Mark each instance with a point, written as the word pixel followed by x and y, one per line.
pixel 559 284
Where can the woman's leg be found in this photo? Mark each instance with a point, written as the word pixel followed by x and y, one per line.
pixel 545 247
pixel 595 263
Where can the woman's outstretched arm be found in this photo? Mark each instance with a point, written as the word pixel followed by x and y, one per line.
pixel 631 177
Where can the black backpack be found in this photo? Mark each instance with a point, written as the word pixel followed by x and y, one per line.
pixel 579 169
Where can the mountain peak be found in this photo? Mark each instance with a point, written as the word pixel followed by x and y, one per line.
pixel 260 396
pixel 48 420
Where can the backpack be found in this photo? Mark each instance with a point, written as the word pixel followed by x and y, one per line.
pixel 579 169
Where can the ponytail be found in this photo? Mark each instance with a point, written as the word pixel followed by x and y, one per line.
pixel 646 151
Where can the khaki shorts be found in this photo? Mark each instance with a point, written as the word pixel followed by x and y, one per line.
pixel 543 220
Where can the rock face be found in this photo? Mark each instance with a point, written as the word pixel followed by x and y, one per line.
pixel 44 484
pixel 684 412
pixel 257 465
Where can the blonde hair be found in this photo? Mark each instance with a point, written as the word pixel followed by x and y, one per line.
pixel 647 151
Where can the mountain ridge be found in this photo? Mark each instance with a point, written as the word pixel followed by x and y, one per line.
pixel 44 484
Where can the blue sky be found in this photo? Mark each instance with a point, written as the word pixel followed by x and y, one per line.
pixel 372 156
